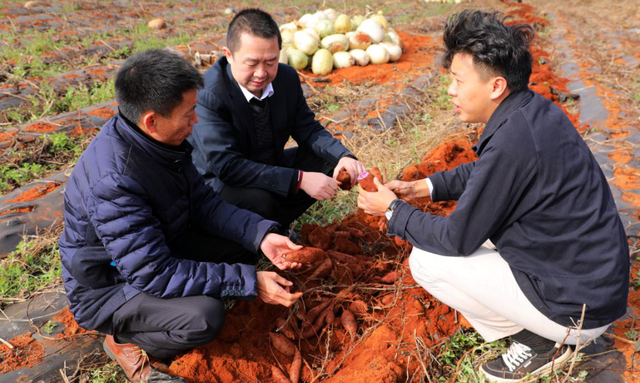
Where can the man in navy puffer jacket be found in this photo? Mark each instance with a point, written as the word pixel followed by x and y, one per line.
pixel 149 250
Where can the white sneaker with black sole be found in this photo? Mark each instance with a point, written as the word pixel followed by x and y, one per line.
pixel 520 363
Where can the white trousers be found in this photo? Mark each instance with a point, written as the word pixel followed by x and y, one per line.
pixel 482 288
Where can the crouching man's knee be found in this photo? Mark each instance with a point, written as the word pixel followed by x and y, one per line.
pixel 424 267
pixel 206 323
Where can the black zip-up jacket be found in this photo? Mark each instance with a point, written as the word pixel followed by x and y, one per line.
pixel 538 193
pixel 225 139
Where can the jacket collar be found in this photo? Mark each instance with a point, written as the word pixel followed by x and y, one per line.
pixel 165 155
pixel 507 106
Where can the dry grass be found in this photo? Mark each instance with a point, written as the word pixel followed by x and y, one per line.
pixel 427 124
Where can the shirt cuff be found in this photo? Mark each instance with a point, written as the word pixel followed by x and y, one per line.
pixel 430 186
pixel 294 182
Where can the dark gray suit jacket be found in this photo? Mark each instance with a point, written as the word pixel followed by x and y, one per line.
pixel 224 137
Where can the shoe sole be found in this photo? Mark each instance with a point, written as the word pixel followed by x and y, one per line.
pixel 557 364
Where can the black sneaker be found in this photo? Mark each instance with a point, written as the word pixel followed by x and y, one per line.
pixel 521 363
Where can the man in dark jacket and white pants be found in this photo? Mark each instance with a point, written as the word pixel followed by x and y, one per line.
pixel 149 250
pixel 535 191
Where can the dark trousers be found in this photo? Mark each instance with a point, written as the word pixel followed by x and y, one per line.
pixel 167 327
pixel 283 210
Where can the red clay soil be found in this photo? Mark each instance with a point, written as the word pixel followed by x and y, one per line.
pixel 35 193
pixel 19 210
pixel 7 136
pixel 26 352
pixel 525 13
pixel 71 328
pixel 102 112
pixel 41 127
pixel 621 327
pixel 543 79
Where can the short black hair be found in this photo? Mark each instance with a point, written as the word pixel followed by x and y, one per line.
pixel 255 22
pixel 154 80
pixel 496 48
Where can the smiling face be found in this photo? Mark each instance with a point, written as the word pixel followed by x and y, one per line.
pixel 174 129
pixel 475 96
pixel 254 64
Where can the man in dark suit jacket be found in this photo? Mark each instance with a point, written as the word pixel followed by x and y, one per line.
pixel 248 109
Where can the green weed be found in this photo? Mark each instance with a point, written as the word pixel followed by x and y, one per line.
pixel 108 373
pixel 464 352
pixel 327 212
pixel 19 175
pixel 48 327
pixel 62 142
pixel 632 334
pixel 144 40
pixel 82 96
pixel 441 97
pixel 32 267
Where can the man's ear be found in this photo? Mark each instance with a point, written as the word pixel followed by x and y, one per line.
pixel 227 53
pixel 499 88
pixel 148 121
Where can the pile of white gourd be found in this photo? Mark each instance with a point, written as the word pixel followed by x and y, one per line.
pixel 326 40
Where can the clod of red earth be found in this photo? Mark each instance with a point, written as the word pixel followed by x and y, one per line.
pixel 35 192
pixel 38 355
pixel 26 352
pixel 157 24
pixel 41 127
pixel 6 138
pixel 105 113
pixel 25 209
pixel 345 179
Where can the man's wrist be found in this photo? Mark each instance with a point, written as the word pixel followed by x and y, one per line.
pixel 392 206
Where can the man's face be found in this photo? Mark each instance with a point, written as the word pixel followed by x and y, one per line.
pixel 254 64
pixel 470 94
pixel 173 130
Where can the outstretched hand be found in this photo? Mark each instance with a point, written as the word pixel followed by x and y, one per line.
pixel 408 190
pixel 274 289
pixel 375 203
pixel 274 246
pixel 319 185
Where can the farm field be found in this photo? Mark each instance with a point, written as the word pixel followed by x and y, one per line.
pixel 57 61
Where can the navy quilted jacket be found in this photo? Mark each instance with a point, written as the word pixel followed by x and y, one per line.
pixel 130 204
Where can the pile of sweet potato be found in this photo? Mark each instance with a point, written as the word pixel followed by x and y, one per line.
pixel 330 313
